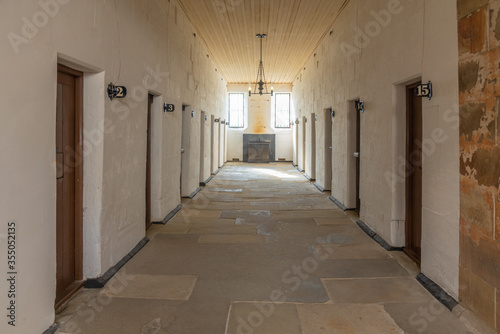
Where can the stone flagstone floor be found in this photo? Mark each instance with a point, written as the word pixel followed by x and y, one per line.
pixel 260 251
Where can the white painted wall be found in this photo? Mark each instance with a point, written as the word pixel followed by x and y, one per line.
pixel 394 50
pixel 259 120
pixel 145 46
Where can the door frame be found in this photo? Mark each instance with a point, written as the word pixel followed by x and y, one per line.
pixel 78 180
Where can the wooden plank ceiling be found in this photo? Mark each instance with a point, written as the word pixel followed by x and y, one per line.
pixel 294 28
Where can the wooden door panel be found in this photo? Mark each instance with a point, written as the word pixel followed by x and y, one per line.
pixel 66 183
pixel 358 160
pixel 148 164
pixel 202 147
pixel 414 175
pixel 304 140
pixel 68 179
pixel 328 148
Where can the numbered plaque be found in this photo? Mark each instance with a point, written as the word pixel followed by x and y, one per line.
pixel 116 92
pixel 169 107
pixel 424 90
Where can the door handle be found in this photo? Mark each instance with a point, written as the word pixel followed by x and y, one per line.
pixel 182 150
pixel 356 154
pixel 330 148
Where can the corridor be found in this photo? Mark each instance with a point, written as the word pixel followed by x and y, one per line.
pixel 260 250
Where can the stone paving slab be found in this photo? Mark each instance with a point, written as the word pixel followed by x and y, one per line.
pixel 221 206
pixel 207 213
pixel 233 214
pixel 224 190
pixel 175 229
pixel 362 269
pixel 263 318
pixel 199 229
pixel 376 290
pixel 428 318
pixel 308 214
pixel 200 220
pixel 274 195
pixel 232 239
pixel 353 251
pixel 345 238
pixel 346 318
pixel 121 316
pixel 204 198
pixel 273 220
pixel 333 221
pixel 270 204
pixel 171 287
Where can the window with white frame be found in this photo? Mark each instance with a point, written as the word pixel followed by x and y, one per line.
pixel 236 110
pixel 281 110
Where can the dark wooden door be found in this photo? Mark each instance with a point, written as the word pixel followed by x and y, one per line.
pixel 212 144
pixel 148 164
pixel 328 148
pixel 297 142
pixel 312 172
pixel 414 175
pixel 219 147
pixel 69 182
pixel 358 159
pixel 304 140
pixel 202 147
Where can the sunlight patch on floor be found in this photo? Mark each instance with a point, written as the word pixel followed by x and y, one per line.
pixel 277 173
